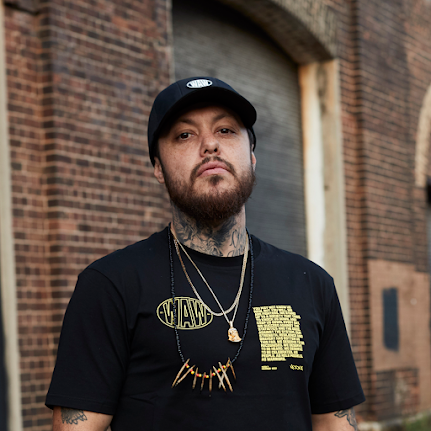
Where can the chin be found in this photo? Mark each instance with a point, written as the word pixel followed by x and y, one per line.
pixel 216 181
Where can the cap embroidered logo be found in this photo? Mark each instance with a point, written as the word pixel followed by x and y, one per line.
pixel 199 83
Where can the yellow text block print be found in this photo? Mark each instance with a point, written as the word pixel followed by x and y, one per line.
pixel 279 332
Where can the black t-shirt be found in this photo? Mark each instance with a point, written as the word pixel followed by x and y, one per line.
pixel 118 352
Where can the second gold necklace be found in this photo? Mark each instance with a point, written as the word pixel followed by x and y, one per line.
pixel 233 334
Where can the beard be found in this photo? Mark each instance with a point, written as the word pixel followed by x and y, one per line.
pixel 213 206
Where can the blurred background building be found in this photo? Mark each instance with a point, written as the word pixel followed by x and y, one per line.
pixel 343 93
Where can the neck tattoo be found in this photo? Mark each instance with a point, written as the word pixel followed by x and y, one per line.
pixel 219 371
pixel 225 239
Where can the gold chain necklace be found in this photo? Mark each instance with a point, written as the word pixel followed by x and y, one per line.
pixel 233 334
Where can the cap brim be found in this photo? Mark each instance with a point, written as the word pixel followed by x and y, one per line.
pixel 220 96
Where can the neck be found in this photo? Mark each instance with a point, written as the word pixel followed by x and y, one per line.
pixel 226 238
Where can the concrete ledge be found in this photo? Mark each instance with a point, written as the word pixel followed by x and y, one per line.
pixel 29 6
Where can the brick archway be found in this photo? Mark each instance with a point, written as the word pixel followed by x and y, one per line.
pixel 423 141
pixel 305 30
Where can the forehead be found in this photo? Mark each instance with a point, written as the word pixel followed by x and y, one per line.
pixel 202 113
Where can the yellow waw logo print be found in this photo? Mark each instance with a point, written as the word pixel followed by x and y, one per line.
pixel 191 314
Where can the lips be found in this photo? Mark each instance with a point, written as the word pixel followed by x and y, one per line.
pixel 212 168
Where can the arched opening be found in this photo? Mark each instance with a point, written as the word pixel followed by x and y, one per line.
pixel 243 55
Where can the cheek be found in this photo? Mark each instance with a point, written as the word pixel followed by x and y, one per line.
pixel 245 160
pixel 177 171
pixel 176 157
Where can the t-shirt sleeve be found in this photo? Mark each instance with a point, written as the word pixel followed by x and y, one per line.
pixel 334 383
pixel 93 350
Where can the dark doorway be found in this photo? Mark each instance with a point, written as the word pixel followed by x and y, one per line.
pixel 210 39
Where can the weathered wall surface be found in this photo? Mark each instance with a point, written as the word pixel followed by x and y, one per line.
pixel 81 79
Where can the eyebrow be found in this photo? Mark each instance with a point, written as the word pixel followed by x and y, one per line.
pixel 216 118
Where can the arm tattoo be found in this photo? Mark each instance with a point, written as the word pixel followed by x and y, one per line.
pixel 350 416
pixel 72 416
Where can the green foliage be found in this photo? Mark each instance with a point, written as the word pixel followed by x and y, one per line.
pixel 423 424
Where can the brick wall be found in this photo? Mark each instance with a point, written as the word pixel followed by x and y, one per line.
pixel 418 44
pixel 388 145
pixel 384 51
pixel 23 49
pixel 397 393
pixel 81 79
pixel 347 34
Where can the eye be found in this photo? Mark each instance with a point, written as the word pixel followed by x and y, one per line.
pixel 225 131
pixel 184 135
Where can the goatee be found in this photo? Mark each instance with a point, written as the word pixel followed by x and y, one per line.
pixel 215 206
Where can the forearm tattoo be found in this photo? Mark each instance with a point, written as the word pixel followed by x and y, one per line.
pixel 350 416
pixel 72 416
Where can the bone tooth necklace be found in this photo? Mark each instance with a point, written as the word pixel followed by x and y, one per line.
pixel 229 364
pixel 233 334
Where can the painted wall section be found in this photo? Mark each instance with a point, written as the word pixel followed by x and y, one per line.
pixel 313 163
pixel 414 332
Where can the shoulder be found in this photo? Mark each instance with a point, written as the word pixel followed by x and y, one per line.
pixel 295 274
pixel 284 260
pixel 133 259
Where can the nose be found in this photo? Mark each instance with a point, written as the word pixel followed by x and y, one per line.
pixel 209 145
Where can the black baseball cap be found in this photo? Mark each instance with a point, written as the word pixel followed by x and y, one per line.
pixel 190 91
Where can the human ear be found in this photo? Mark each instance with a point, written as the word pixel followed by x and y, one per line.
pixel 158 171
pixel 253 160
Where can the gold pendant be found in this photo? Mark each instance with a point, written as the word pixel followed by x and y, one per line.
pixel 233 335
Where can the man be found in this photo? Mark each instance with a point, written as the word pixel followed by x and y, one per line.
pixel 202 326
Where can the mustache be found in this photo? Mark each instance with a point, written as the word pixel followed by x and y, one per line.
pixel 228 165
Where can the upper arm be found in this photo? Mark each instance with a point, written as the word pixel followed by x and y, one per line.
pixel 93 352
pixel 342 420
pixel 65 419
pixel 334 383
